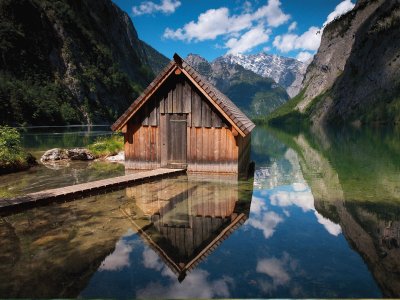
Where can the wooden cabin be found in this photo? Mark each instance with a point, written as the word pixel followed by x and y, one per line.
pixel 182 121
pixel 185 219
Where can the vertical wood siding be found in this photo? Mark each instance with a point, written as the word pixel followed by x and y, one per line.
pixel 185 212
pixel 212 150
pixel 142 147
pixel 211 146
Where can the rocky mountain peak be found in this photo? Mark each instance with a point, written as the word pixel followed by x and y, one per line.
pixel 287 72
pixel 194 59
pixel 254 94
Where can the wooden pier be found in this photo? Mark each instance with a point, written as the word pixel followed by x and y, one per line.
pixel 79 190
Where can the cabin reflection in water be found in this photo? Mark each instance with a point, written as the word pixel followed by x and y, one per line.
pixel 184 219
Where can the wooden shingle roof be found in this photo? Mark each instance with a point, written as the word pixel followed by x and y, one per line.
pixel 228 109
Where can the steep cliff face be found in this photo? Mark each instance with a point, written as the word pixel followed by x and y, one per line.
pixel 354 77
pixel 253 94
pixel 68 61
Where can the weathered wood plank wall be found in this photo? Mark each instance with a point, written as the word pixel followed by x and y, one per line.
pixel 244 144
pixel 208 209
pixel 142 147
pixel 212 150
pixel 211 145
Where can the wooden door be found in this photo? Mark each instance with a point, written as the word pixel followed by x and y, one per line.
pixel 174 141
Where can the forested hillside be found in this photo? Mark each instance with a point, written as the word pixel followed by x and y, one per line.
pixel 69 62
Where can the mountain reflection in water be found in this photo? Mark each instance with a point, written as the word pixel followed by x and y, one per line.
pixel 354 176
pixel 321 219
pixel 54 250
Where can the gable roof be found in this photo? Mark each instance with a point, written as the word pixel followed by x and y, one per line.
pixel 221 102
pixel 198 255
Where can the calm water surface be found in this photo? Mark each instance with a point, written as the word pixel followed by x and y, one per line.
pixel 320 219
pixel 39 139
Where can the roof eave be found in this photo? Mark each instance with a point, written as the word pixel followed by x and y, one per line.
pixel 139 101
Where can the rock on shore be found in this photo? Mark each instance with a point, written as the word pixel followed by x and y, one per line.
pixel 58 154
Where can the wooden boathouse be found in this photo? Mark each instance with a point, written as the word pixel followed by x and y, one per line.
pixel 183 121
pixel 185 219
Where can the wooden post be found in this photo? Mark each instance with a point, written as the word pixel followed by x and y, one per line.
pixel 234 132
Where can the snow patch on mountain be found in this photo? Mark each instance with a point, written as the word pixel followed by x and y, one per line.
pixel 287 72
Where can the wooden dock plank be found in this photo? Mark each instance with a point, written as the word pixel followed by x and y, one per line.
pixel 83 188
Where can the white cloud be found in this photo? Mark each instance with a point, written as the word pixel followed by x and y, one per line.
pixel 219 22
pixel 273 13
pixel 302 197
pixel 332 228
pixel 266 223
pixel 292 26
pixel 248 41
pixel 304 56
pixel 197 282
pixel 118 259
pixel 275 269
pixel 149 7
pixel 340 9
pixel 247 7
pixel 266 49
pixel 299 187
pixel 257 205
pixel 197 285
pixel 311 39
pixel 151 260
pixel 261 218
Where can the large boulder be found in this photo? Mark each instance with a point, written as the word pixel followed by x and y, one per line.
pixel 58 154
pixel 54 155
pixel 79 154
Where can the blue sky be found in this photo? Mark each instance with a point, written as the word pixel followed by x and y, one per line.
pixel 212 28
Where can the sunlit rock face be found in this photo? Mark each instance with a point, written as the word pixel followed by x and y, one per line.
pixel 354 75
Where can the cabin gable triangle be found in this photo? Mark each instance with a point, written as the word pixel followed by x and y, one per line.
pixel 230 112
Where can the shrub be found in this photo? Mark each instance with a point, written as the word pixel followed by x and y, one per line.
pixel 106 146
pixel 12 155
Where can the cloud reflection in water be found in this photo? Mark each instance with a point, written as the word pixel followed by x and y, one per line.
pixel 197 284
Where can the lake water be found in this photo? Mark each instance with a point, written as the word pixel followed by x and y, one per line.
pixel 320 219
pixel 37 140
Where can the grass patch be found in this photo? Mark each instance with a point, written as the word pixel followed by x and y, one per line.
pixel 107 146
pixel 287 114
pixel 288 107
pixel 13 157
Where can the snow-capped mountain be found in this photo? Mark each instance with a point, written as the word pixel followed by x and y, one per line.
pixel 287 72
pixel 254 94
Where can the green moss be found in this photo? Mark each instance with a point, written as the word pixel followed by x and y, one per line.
pixel 106 146
pixel 12 156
